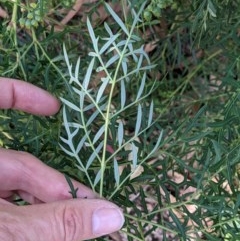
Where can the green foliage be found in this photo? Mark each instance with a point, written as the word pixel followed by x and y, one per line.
pixel 154 129
pixel 155 7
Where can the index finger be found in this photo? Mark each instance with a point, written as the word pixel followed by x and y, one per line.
pixel 23 172
pixel 16 94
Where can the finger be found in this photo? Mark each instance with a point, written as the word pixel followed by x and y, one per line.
pixel 70 220
pixel 10 197
pixel 6 194
pixel 24 172
pixel 16 94
pixel 4 202
pixel 28 197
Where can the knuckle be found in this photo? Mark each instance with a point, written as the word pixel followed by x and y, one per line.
pixel 71 223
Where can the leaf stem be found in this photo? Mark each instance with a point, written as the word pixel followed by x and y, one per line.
pixel 108 111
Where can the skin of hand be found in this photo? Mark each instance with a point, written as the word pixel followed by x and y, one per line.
pixel 53 215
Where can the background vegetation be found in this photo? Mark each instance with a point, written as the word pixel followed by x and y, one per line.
pixel 164 142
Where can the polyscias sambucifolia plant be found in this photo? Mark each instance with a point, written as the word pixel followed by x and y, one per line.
pixel 96 120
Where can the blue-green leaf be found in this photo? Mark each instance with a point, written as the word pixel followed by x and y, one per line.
pixel 134 56
pixel 141 88
pixel 117 19
pixel 81 143
pixel 158 143
pixel 150 114
pixel 69 153
pixel 67 60
pixel 112 60
pixel 108 29
pixel 65 121
pixel 124 66
pixel 123 94
pixel 139 120
pixel 134 156
pixel 116 172
pixel 99 134
pixel 97 178
pixel 93 54
pixel 108 44
pixel 140 60
pixel 88 74
pixel 120 133
pixel 70 104
pixel 77 69
pixel 94 155
pixel 102 88
pixel 64 140
pixel 92 118
pixel 92 35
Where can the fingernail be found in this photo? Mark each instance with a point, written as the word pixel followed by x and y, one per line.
pixel 107 220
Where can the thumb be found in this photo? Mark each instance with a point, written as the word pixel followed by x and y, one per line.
pixel 70 220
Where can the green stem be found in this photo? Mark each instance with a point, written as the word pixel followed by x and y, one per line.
pixel 85 171
pixel 35 42
pixel 13 29
pixel 137 219
pixel 52 63
pixel 108 111
pixel 13 22
pixel 131 235
pixel 114 81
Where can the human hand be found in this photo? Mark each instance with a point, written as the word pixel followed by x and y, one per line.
pixel 53 215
